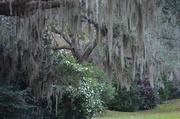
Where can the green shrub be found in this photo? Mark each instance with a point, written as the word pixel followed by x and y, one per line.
pixel 139 97
pixel 149 97
pixel 83 89
pixel 164 92
pixel 170 89
pixel 127 100
pixel 13 103
pixel 81 102
pixel 173 89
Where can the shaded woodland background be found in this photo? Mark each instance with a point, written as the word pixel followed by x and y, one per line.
pixel 72 59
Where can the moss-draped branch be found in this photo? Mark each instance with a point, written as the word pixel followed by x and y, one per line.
pixel 26 7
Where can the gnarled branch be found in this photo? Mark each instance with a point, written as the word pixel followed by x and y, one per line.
pixel 25 7
pixel 63 35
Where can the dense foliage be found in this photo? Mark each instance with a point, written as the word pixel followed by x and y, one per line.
pixel 138 97
pixel 127 100
pixel 169 90
pixel 15 103
pixel 82 88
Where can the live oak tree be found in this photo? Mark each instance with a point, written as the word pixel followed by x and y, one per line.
pixel 115 27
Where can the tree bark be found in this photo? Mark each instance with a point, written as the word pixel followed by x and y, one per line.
pixel 26 7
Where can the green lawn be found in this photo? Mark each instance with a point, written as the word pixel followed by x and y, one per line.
pixel 169 110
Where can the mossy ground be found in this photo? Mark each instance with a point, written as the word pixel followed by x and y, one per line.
pixel 168 110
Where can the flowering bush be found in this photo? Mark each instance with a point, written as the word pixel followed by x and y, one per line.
pixel 82 88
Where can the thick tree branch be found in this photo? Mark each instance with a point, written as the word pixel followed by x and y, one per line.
pixel 63 47
pixel 24 7
pixel 63 35
pixel 88 49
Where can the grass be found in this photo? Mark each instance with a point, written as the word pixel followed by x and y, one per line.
pixel 168 110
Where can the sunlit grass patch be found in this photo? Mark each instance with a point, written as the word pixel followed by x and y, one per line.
pixel 168 110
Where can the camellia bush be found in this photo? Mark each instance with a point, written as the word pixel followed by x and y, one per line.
pixel 80 88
